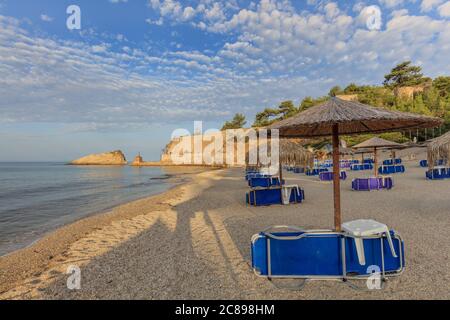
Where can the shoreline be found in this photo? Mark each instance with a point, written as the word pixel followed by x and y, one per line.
pixel 21 264
pixel 174 184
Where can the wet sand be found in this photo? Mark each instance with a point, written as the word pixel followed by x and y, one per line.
pixel 193 242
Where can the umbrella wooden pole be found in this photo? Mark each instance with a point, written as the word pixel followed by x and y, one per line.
pixel 375 161
pixel 336 179
pixel 281 173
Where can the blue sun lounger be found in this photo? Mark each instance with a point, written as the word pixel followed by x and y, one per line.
pixel 298 170
pixel 328 176
pixel 360 167
pixel 325 254
pixel 392 162
pixel 264 182
pixel 372 183
pixel 391 169
pixel 271 196
pixel 315 171
pixel 438 173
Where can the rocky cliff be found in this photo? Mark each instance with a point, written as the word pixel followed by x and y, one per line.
pixel 106 159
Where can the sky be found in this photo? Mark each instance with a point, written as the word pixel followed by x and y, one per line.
pixel 136 70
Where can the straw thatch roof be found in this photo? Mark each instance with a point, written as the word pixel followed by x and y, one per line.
pixel 292 152
pixel 362 150
pixel 376 142
pixel 352 117
pixel 411 144
pixel 438 149
pixel 342 151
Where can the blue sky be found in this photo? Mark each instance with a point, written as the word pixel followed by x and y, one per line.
pixel 139 69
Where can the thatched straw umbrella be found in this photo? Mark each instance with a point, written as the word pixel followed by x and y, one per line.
pixel 291 152
pixel 376 143
pixel 439 148
pixel 338 117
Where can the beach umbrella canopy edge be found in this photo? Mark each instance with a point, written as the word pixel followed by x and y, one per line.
pixel 352 118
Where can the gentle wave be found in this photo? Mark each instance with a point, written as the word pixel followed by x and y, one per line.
pixel 36 198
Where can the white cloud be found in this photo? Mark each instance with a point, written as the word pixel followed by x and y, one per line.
pixel 444 10
pixel 70 82
pixel 99 48
pixel 46 18
pixel 428 5
pixel 391 3
pixel 331 10
pixel 271 53
pixel 188 13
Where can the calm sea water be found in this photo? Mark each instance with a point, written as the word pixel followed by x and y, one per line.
pixel 38 197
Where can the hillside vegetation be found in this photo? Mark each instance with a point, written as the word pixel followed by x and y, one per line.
pixel 405 88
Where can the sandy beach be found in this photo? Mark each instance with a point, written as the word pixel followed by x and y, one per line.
pixel 193 242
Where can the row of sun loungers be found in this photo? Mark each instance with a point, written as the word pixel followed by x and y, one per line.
pixel 315 171
pixel 424 163
pixel 296 169
pixel 362 248
pixel 345 164
pixel 360 167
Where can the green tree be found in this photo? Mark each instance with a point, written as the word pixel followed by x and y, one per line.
pixel 287 109
pixel 442 84
pixel 265 117
pixel 309 102
pixel 419 106
pixel 237 122
pixel 351 89
pixel 404 74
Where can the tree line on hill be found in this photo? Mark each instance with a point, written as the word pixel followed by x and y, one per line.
pixel 428 97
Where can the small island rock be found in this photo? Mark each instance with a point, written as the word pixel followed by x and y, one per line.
pixel 106 159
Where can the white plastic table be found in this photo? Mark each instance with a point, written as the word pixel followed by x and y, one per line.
pixel 366 228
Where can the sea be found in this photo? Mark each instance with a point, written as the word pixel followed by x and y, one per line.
pixel 36 198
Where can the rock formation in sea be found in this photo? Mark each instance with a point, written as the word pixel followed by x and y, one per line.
pixel 106 159
pixel 137 160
